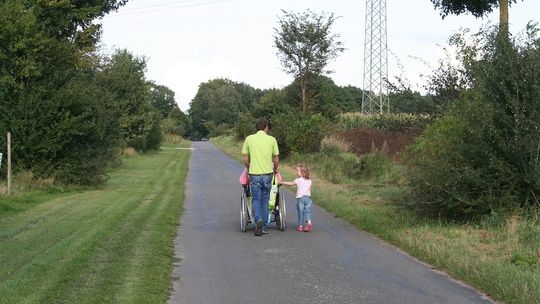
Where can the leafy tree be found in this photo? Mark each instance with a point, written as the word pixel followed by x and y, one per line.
pixel 273 102
pixel 218 102
pixel 177 122
pixel 57 112
pixel 124 77
pixel 405 100
pixel 476 8
pixel 244 126
pixel 356 94
pixel 249 96
pixel 162 98
pixel 298 132
pixel 483 156
pixel 305 46
pixel 330 99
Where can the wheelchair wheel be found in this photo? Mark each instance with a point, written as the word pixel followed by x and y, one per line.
pixel 282 213
pixel 243 213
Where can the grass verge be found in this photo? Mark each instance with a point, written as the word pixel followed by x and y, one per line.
pixel 109 245
pixel 500 257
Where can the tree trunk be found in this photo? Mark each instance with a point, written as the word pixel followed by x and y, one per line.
pixel 303 88
pixel 503 18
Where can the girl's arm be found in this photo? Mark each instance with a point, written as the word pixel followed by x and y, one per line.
pixel 288 183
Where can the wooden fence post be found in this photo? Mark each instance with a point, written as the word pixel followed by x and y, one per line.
pixel 9 163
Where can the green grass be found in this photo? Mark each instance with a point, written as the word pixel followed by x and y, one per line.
pixel 502 257
pixel 109 245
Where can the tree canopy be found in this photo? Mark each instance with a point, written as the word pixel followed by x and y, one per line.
pixel 477 8
pixel 306 45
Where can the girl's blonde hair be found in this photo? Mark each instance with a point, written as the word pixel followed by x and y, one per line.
pixel 304 171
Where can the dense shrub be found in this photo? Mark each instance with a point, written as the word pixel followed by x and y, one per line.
pixel 70 133
pixel 176 123
pixel 338 166
pixel 299 132
pixel 483 157
pixel 245 125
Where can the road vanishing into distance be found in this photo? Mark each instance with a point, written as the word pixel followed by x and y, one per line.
pixel 335 263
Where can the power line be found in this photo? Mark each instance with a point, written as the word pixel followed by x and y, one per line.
pixel 156 5
pixel 173 7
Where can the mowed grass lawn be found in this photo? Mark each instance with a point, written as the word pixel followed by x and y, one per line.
pixel 110 245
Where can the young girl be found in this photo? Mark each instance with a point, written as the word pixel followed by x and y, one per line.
pixel 303 197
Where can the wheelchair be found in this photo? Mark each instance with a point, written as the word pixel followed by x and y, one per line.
pixel 276 212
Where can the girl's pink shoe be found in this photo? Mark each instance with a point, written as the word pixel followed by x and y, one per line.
pixel 308 227
pixel 299 228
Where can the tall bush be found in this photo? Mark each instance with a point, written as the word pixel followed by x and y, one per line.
pixel 63 123
pixel 244 126
pixel 124 76
pixel 483 157
pixel 299 132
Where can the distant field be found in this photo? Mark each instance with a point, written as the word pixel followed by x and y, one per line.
pixel 112 245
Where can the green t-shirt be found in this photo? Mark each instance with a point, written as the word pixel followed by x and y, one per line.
pixel 260 147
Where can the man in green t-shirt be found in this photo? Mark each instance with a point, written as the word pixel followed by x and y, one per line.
pixel 261 158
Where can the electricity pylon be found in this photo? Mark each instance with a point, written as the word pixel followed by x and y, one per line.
pixel 375 91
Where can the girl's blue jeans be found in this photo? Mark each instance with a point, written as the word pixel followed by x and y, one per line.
pixel 303 205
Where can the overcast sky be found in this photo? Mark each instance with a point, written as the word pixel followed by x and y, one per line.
pixel 188 42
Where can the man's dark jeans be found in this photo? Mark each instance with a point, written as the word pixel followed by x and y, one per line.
pixel 260 195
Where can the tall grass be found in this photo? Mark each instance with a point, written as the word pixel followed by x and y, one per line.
pixel 387 121
pixel 335 144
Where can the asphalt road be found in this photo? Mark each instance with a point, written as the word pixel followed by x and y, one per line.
pixel 335 263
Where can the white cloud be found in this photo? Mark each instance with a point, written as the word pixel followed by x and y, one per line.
pixel 184 77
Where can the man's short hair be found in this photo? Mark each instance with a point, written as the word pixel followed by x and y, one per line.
pixel 261 124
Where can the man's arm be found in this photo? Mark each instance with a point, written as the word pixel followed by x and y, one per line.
pixel 246 161
pixel 275 160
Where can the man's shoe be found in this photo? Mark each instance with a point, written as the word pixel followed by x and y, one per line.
pixel 265 230
pixel 308 227
pixel 258 227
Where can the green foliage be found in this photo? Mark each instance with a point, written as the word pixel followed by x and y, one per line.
pixel 408 101
pixel 124 76
pixel 378 167
pixel 330 99
pixel 395 122
pixel 248 96
pixel 336 167
pixel 483 157
pixel 162 98
pixel 216 103
pixel 305 46
pixel 475 7
pixel 84 140
pixel 66 129
pixel 176 123
pixel 356 94
pixel 452 76
pixel 299 132
pixel 245 125
pixel 524 260
pixel 274 102
pixel 215 129
pixel 68 109
pixel 343 167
